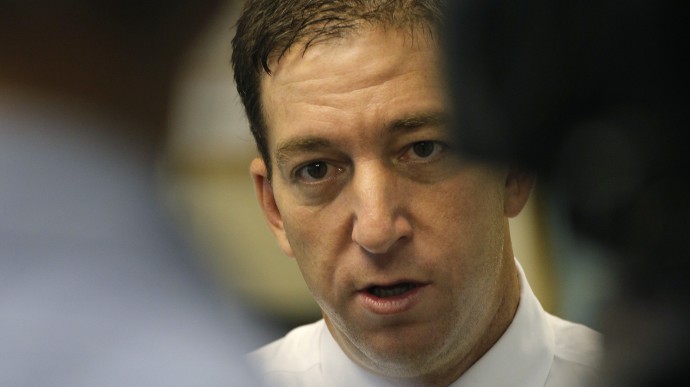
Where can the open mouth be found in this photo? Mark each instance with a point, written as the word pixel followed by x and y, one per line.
pixel 391 291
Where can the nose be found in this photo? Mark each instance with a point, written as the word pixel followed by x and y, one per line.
pixel 381 218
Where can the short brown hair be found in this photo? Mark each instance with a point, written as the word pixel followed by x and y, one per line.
pixel 268 28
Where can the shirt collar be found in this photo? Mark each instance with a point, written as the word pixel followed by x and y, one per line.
pixel 521 357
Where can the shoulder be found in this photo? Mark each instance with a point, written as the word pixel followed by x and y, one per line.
pixel 578 353
pixel 295 356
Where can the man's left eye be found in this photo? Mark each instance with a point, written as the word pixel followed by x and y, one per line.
pixel 423 150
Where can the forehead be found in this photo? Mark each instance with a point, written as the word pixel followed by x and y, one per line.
pixel 401 47
pixel 351 75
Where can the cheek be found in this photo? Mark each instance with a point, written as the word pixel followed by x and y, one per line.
pixel 464 211
pixel 311 232
pixel 315 241
pixel 467 230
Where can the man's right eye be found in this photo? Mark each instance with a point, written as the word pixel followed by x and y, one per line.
pixel 316 171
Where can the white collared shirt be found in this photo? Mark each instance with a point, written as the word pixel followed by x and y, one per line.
pixel 537 349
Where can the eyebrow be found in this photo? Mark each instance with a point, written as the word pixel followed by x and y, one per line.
pixel 418 120
pixel 314 143
pixel 298 145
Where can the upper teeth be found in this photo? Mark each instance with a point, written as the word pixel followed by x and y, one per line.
pixel 390 291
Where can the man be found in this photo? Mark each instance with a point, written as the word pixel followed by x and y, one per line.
pixel 96 288
pixel 404 243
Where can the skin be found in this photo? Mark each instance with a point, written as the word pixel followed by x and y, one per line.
pixel 367 190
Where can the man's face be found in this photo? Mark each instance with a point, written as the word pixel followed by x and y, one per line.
pixel 400 241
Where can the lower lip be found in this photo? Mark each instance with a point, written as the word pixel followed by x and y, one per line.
pixel 390 305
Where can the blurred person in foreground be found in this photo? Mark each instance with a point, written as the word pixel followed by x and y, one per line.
pixel 594 96
pixel 96 288
pixel 404 244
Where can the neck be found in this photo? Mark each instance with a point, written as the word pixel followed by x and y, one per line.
pixel 505 307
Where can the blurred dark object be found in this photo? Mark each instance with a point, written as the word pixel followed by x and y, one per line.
pixel 593 95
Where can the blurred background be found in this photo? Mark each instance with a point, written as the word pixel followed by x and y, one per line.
pixel 208 188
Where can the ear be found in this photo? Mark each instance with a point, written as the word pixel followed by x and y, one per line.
pixel 267 202
pixel 518 185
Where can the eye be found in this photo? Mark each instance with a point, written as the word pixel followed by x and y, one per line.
pixel 424 148
pixel 423 151
pixel 316 171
